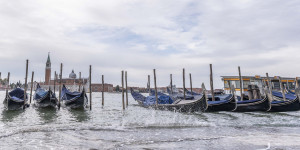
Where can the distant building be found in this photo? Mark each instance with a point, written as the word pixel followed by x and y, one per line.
pixel 72 82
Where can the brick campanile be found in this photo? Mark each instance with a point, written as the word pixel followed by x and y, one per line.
pixel 48 71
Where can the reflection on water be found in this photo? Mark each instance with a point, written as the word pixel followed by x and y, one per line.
pixel 9 115
pixel 79 115
pixel 47 114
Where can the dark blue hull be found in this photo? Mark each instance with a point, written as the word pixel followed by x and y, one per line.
pixel 199 105
pixel 78 103
pixel 228 105
pixel 10 104
pixel 254 105
pixel 49 100
pixel 288 105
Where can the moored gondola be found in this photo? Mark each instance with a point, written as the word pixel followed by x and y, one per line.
pixel 167 103
pixel 263 104
pixel 291 102
pixel 225 102
pixel 255 103
pixel 74 100
pixel 14 99
pixel 43 98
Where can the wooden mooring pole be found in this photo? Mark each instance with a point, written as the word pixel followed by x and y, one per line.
pixel 60 86
pixel 54 82
pixel 148 85
pixel 241 83
pixel 31 86
pixel 211 84
pixel 282 88
pixel 79 87
pixel 269 86
pixel 156 98
pixel 183 79
pixel 25 86
pixel 126 88
pixel 296 83
pixel 123 101
pixel 7 85
pixel 171 83
pixel 102 90
pixel 191 85
pixel 90 86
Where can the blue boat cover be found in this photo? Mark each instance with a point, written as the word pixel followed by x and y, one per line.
pixel 137 96
pixel 39 92
pixel 162 99
pixel 67 95
pixel 151 100
pixel 17 94
pixel 287 96
pixel 152 93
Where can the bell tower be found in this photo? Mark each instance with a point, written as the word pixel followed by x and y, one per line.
pixel 48 70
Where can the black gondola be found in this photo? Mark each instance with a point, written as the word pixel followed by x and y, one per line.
pixel 262 103
pixel 224 102
pixel 290 104
pixel 14 99
pixel 198 105
pixel 74 99
pixel 43 98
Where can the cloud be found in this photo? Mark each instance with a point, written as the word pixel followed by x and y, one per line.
pixel 259 36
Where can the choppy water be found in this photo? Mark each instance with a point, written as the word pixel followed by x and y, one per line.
pixel 138 128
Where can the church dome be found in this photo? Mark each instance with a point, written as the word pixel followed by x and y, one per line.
pixel 72 75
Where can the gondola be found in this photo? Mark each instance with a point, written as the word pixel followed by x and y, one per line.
pixel 14 99
pixel 290 104
pixel 259 104
pixel 225 102
pixel 43 98
pixel 74 100
pixel 167 103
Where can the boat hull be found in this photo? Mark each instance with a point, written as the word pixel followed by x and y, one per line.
pixel 47 101
pixel 229 105
pixel 288 105
pixel 10 104
pixel 259 105
pixel 198 105
pixel 77 103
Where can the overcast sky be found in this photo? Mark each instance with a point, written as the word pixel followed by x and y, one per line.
pixel 258 35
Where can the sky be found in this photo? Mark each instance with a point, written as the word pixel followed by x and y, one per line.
pixel 142 35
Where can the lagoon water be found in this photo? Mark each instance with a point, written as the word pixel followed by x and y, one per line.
pixel 139 128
